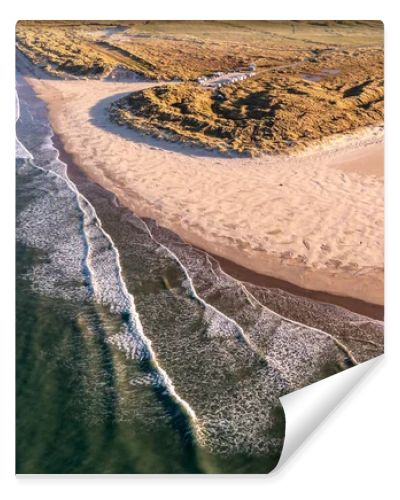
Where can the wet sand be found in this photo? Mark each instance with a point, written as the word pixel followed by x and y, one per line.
pixel 373 311
pixel 315 220
pixel 247 276
pixel 355 324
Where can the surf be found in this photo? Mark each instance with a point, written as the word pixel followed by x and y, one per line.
pixel 117 298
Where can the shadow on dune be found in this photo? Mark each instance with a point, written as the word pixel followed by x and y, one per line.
pixel 100 118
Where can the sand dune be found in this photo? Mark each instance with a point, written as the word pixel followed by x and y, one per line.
pixel 315 220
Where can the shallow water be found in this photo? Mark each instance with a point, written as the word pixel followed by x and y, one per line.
pixel 134 354
pixel 88 400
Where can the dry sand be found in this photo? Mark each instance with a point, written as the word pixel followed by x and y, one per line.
pixel 315 220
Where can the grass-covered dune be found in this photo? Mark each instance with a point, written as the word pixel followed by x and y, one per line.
pixel 183 50
pixel 312 78
pixel 274 111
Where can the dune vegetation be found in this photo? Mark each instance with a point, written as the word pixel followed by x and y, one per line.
pixel 311 79
pixel 276 110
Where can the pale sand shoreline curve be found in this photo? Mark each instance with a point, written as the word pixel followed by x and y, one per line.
pixel 315 220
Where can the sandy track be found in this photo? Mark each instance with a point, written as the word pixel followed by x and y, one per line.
pixel 315 220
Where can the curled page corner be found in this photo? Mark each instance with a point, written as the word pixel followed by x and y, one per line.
pixel 307 408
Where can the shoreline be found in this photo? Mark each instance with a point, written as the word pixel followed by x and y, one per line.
pixel 241 273
pixel 373 311
pixel 153 185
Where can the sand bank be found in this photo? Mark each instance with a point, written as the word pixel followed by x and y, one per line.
pixel 315 220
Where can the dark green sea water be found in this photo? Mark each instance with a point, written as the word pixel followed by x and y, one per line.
pixel 128 360
pixel 83 405
pixel 89 398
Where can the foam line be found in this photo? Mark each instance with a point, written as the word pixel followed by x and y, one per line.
pixel 252 299
pixel 21 151
pixel 134 323
pixel 206 305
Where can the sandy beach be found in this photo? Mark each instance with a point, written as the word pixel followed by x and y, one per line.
pixel 314 220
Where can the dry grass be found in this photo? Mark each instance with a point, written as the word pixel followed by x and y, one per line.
pixel 184 50
pixel 282 109
pixel 314 78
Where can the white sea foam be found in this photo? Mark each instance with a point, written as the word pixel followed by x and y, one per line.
pixel 217 319
pixel 233 420
pixel 235 417
pixel 20 150
pixel 296 354
pixel 99 257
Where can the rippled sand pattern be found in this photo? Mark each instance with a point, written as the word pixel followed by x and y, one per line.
pixel 169 338
pixel 304 219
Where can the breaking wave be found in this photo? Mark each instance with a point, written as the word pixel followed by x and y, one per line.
pixel 99 264
pixel 223 357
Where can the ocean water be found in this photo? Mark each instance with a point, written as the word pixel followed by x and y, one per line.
pixel 135 354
